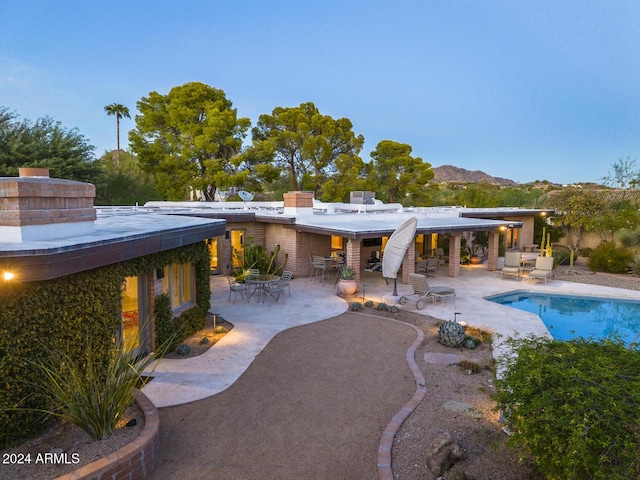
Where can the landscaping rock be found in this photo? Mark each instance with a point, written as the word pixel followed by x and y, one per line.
pixel 442 453
pixel 463 408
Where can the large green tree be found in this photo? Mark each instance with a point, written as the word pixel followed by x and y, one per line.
pixel 45 143
pixel 400 177
pixel 578 211
pixel 124 183
pixel 191 139
pixel 119 111
pixel 305 144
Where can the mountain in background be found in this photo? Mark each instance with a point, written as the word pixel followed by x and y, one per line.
pixel 451 174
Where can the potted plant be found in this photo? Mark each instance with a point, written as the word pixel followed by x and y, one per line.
pixel 347 285
pixel 478 244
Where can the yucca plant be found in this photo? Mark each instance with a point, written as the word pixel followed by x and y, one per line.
pixel 94 394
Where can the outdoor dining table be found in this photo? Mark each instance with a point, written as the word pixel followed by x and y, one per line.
pixel 259 281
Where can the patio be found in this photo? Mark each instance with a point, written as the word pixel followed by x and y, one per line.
pixel 186 380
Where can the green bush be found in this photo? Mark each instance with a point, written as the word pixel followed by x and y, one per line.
pixel 628 237
pixel 574 405
pixel 254 255
pixel 610 258
pixel 561 256
pixel 382 306
pixel 368 303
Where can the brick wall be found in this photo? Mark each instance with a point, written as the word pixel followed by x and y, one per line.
pixel 494 244
pixel 28 201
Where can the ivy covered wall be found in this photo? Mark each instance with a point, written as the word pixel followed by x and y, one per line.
pixel 73 314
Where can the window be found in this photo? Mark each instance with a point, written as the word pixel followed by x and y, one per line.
pixel 337 243
pixel 178 283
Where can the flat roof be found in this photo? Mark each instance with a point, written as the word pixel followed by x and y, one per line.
pixel 355 221
pixel 372 225
pixel 120 234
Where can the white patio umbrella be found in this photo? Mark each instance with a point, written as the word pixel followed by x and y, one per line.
pixel 396 248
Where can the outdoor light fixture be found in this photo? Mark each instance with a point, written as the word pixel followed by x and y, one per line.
pixel 8 276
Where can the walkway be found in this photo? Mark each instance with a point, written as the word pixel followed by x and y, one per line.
pixel 186 380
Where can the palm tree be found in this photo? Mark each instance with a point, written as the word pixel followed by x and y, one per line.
pixel 119 111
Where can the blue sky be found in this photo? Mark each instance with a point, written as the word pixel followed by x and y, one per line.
pixel 526 90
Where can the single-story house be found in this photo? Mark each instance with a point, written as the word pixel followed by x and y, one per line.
pixel 301 225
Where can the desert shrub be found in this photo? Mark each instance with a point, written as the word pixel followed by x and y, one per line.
pixel 84 393
pixel 368 303
pixel 561 256
pixel 610 258
pixel 574 405
pixel 585 252
pixel 356 306
pixel 635 266
pixel 628 237
pixel 382 306
pixel 479 334
pixel 393 309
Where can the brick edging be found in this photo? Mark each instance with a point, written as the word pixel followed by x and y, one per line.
pixel 134 461
pixel 388 434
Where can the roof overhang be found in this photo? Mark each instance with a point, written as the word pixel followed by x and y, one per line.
pixel 374 226
pixel 117 239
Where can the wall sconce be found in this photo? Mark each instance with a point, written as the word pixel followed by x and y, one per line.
pixel 8 276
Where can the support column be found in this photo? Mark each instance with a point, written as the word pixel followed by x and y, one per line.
pixel 409 262
pixel 353 257
pixel 454 255
pixel 494 243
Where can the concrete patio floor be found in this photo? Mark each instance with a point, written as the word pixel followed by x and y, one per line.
pixel 178 381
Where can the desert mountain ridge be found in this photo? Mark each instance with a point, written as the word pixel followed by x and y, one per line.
pixel 451 174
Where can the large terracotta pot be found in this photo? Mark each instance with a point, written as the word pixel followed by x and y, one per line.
pixel 347 287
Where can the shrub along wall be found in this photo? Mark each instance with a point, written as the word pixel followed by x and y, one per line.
pixel 72 314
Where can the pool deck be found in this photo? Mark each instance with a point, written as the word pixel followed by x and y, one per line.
pixel 255 324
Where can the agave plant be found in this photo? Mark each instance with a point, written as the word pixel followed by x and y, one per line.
pixel 92 394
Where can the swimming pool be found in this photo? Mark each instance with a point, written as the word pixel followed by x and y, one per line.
pixel 571 316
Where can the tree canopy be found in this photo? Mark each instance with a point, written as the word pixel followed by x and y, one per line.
pixel 45 143
pixel 191 139
pixel 119 111
pixel 399 176
pixel 307 146
pixel 124 183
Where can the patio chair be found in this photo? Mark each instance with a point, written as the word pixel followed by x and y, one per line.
pixel 273 291
pixel 319 266
pixel 285 280
pixel 235 288
pixel 422 290
pixel 543 269
pixel 512 265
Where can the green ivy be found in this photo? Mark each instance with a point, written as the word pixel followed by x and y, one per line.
pixel 40 319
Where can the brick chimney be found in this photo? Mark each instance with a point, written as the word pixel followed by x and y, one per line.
pixel 298 202
pixel 34 207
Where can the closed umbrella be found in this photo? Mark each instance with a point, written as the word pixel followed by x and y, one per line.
pixel 396 248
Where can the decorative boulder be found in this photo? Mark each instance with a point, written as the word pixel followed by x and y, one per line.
pixel 451 334
pixel 442 453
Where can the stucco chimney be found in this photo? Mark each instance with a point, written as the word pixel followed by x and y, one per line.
pixel 35 207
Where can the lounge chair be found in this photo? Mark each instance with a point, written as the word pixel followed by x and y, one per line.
pixel 512 265
pixel 422 290
pixel 543 269
pixel 427 266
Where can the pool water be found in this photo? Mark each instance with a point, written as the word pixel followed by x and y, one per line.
pixel 571 316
